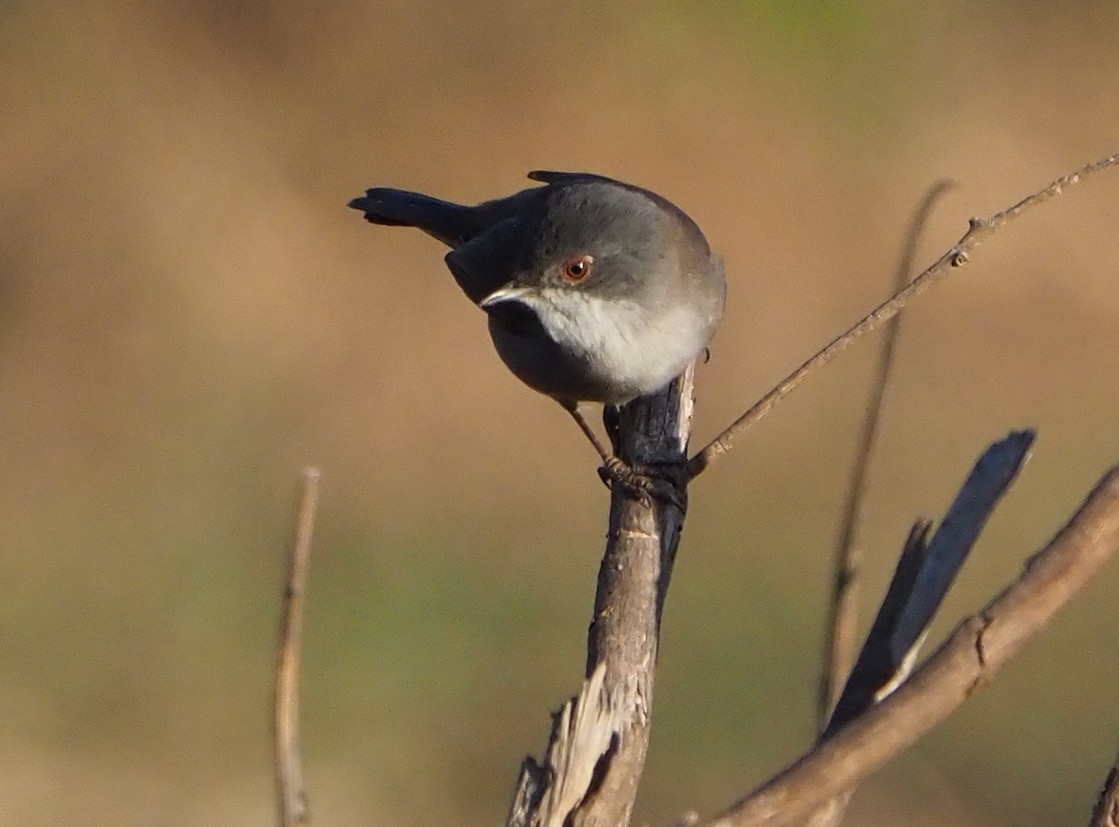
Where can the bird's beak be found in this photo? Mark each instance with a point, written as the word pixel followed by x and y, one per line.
pixel 509 293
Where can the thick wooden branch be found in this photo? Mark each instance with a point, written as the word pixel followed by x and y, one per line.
pixel 964 663
pixel 599 739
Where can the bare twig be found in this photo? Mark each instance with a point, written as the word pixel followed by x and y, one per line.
pixel 839 653
pixel 978 230
pixel 599 739
pixel 290 791
pixel 963 664
pixel 1106 811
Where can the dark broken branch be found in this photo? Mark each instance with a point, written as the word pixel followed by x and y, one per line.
pixel 924 574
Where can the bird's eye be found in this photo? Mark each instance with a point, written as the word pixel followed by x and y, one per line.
pixel 577 268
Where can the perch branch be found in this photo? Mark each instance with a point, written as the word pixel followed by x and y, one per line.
pixel 967 661
pixel 839 652
pixel 978 231
pixel 290 791
pixel 599 739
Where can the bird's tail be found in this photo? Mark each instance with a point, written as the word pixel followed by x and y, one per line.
pixel 449 222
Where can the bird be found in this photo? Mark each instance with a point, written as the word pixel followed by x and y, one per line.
pixel 595 290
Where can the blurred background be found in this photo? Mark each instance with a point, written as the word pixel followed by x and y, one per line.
pixel 189 314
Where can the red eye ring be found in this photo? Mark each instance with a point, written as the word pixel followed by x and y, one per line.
pixel 577 268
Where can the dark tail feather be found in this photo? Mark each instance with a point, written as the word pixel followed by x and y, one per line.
pixel 448 222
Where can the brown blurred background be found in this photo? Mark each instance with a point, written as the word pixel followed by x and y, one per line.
pixel 188 314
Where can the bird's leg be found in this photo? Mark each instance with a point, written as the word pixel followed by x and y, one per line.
pixel 606 456
pixel 615 470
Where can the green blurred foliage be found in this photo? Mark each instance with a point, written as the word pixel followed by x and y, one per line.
pixel 188 314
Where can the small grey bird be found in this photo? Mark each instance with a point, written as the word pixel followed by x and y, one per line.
pixel 596 290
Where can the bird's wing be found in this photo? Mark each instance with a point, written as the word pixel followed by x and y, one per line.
pixel 488 260
pixel 551 177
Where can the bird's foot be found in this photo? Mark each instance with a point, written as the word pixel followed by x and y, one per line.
pixel 663 483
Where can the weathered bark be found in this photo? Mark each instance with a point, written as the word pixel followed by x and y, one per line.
pixel 597 749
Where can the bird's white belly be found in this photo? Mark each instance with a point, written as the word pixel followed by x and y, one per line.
pixel 631 351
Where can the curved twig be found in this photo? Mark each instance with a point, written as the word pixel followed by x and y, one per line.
pixel 839 651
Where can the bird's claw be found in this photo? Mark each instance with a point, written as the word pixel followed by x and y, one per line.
pixel 645 484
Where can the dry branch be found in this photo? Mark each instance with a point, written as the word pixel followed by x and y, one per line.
pixel 967 661
pixel 978 230
pixel 597 748
pixel 290 791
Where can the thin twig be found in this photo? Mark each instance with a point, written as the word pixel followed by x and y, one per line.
pixel 839 653
pixel 978 230
pixel 290 792
pixel 966 662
